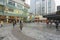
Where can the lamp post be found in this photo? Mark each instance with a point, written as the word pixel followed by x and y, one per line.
pixel 35 7
pixel 46 7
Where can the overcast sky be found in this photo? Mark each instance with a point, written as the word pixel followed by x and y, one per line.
pixel 28 2
pixel 57 2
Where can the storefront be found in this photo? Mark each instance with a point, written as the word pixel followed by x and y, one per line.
pixel 11 10
pixel 9 14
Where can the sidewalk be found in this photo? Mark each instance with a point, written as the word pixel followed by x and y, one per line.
pixel 18 34
pixel 39 35
pixel 5 32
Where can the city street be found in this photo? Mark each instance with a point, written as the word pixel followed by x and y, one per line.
pixel 40 31
pixel 31 31
pixel 7 32
pixel 29 19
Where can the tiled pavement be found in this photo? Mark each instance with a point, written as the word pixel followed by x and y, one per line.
pixel 5 32
pixel 39 35
pixel 10 33
pixel 18 34
pixel 40 31
pixel 30 32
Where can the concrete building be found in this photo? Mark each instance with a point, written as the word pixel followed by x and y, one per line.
pixel 58 8
pixel 12 10
pixel 42 7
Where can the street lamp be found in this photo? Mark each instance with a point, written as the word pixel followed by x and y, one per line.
pixel 35 7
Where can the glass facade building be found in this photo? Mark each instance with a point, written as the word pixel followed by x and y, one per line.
pixel 46 6
pixel 49 6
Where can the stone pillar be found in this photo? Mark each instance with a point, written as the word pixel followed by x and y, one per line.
pixel 7 18
pixel 16 19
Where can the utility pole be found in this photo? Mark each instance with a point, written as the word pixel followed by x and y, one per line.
pixel 46 8
pixel 35 7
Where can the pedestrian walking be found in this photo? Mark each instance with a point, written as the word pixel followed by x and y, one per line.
pixel 1 23
pixel 57 23
pixel 47 22
pixel 51 21
pixel 14 24
pixel 21 25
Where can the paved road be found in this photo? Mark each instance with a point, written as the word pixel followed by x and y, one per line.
pixel 41 31
pixel 7 32
pixel 43 27
pixel 31 31
pixel 18 34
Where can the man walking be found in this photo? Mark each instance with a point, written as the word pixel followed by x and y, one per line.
pixel 21 25
pixel 57 23
pixel 14 24
pixel 1 23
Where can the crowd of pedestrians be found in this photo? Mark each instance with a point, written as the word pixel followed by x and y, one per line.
pixel 56 23
pixel 20 24
pixel 14 24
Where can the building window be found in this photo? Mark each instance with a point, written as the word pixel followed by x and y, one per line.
pixel 43 0
pixel 2 2
pixel 11 10
pixel 1 8
pixel 19 6
pixel 49 7
pixel 49 2
pixel 58 8
pixel 43 10
pixel 11 3
pixel 49 10
pixel 23 0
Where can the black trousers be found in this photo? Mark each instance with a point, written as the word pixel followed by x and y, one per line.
pixel 21 27
pixel 1 25
pixel 56 26
pixel 13 25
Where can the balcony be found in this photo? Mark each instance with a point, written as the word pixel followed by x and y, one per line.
pixel 14 6
pixel 2 2
pixel 23 0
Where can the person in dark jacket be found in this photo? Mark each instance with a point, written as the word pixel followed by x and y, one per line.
pixel 57 23
pixel 1 23
pixel 14 24
pixel 21 25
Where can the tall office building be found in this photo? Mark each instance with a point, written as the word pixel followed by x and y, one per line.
pixel 58 8
pixel 42 7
